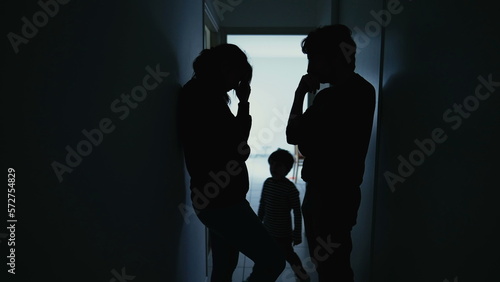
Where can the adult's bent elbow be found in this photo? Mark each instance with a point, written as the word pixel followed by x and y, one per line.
pixel 291 137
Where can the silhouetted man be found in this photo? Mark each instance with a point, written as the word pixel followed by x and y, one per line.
pixel 333 135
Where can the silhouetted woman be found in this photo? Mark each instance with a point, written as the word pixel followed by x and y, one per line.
pixel 215 150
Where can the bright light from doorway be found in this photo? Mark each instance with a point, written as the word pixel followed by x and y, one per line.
pixel 278 64
pixel 274 46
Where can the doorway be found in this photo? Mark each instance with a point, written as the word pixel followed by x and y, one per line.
pixel 278 65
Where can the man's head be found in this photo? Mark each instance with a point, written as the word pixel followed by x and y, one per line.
pixel 331 52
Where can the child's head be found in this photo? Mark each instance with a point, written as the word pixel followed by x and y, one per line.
pixel 280 163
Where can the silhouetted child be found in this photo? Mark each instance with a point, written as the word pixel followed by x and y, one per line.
pixel 279 197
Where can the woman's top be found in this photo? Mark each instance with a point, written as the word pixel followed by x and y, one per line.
pixel 215 145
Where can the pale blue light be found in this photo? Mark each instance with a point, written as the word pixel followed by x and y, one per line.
pixel 278 64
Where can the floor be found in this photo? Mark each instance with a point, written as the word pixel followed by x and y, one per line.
pixel 258 172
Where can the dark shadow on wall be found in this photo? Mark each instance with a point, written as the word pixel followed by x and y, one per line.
pixel 441 221
pixel 115 214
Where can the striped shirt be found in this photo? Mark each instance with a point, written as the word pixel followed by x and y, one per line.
pixel 278 199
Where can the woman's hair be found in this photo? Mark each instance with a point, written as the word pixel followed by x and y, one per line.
pixel 211 63
pixel 333 41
